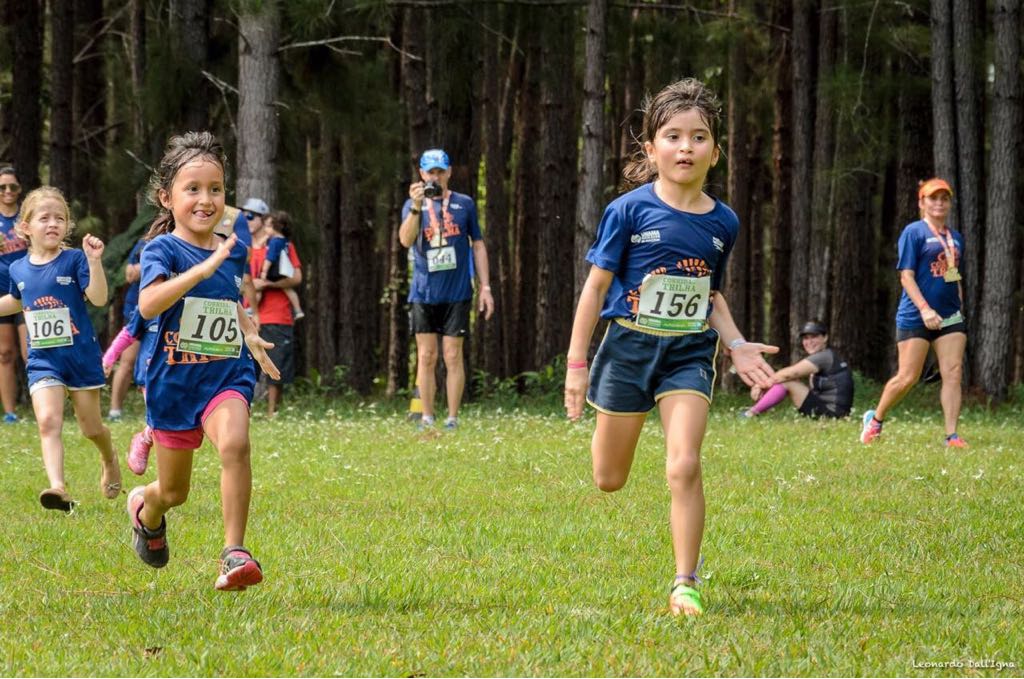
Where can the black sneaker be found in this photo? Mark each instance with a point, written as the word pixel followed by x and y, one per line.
pixel 238 569
pixel 150 545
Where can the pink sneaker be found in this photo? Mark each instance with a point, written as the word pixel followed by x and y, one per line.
pixel 138 452
pixel 872 428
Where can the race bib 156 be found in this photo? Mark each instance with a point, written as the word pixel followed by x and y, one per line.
pixel 674 303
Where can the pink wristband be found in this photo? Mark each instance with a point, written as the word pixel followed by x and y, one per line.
pixel 576 365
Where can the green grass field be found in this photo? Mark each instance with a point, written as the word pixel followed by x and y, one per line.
pixel 490 552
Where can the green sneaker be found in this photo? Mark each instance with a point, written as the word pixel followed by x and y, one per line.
pixel 684 600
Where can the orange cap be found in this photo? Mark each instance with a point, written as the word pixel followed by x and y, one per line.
pixel 929 187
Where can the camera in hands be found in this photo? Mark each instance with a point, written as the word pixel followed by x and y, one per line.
pixel 432 189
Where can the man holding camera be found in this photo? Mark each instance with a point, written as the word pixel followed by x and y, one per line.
pixel 441 227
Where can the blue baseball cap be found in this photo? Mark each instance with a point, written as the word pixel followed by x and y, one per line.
pixel 434 158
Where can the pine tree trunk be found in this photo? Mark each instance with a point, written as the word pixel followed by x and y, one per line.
pixel 62 48
pixel 590 198
pixel 943 101
pixel 823 181
pixel 325 279
pixel 1002 234
pixel 89 106
pixel 26 120
pixel 527 188
pixel 558 171
pixel 137 67
pixel 191 24
pixel 802 181
pixel 258 68
pixel 782 184
pixel 969 193
pixel 357 294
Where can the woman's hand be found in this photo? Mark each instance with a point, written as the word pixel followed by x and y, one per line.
pixel 932 320
pixel 751 366
pixel 576 382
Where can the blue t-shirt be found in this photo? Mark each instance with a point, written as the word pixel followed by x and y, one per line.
pixel 640 234
pixel 60 283
pixel 179 385
pixel 131 295
pixel 275 246
pixel 145 332
pixel 922 252
pixel 459 229
pixel 12 248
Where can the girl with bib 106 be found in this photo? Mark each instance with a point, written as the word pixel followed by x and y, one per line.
pixel 51 285
pixel 658 266
pixel 200 376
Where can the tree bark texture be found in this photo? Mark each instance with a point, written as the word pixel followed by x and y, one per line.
pixel 555 228
pixel 62 51
pixel 1002 233
pixel 590 197
pixel 191 26
pixel 779 325
pixel 26 120
pixel 325 267
pixel 258 69
pixel 943 100
pixel 89 106
pixel 823 181
pixel 802 182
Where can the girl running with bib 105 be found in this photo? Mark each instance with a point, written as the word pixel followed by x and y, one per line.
pixel 929 312
pixel 658 264
pixel 51 284
pixel 201 374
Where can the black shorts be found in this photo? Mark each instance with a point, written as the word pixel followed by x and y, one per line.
pixel 814 406
pixel 13 319
pixel 283 353
pixel 450 320
pixel 926 334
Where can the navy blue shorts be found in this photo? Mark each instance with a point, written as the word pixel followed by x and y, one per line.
pixel 903 334
pixel 635 368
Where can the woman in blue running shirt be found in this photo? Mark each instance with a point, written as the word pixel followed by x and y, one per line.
pixel 930 311
pixel 658 267
pixel 12 328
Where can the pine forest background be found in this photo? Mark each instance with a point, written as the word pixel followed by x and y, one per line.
pixel 835 109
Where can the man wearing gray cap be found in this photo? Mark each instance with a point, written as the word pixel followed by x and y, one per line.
pixel 829 390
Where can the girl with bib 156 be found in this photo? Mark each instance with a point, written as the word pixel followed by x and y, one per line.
pixel 658 267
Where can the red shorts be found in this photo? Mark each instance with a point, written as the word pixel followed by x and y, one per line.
pixel 190 439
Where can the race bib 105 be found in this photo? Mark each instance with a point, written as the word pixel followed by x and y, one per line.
pixel 210 327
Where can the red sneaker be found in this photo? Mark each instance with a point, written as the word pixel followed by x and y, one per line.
pixel 238 569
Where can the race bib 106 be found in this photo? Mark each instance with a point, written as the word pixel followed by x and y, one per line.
pixel 674 303
pixel 210 327
pixel 441 259
pixel 49 328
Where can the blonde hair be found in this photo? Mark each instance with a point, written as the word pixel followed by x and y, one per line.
pixel 682 95
pixel 31 204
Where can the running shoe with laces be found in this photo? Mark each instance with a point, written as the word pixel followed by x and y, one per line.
pixel 138 451
pixel 11 418
pixel 150 545
pixel 238 570
pixel 872 428
pixel 954 441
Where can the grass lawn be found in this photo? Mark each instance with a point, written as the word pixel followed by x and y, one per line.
pixel 489 552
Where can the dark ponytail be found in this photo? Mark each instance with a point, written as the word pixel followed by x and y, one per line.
pixel 180 150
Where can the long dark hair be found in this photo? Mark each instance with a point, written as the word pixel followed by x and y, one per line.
pixel 682 95
pixel 181 150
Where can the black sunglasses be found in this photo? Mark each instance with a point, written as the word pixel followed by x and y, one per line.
pixel 13 188
pixel 251 215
